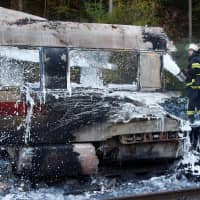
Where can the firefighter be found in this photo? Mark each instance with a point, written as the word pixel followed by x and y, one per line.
pixel 193 82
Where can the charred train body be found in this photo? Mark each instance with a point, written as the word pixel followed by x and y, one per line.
pixel 49 117
pixel 65 106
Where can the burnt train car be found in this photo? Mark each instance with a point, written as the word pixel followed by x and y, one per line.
pixel 74 94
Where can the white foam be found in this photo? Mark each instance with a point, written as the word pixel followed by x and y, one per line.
pixel 29 55
pixel 69 89
pixel 91 63
pixel 27 123
pixel 91 77
pixel 11 73
pixel 91 59
pixel 149 98
pixel 128 87
pixel 191 159
pixel 170 65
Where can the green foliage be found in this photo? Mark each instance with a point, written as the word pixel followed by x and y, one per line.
pixel 75 74
pixel 137 12
pixel 126 72
pixel 174 17
pixel 171 83
pixel 62 10
pixel 181 55
pixel 181 58
pixel 96 11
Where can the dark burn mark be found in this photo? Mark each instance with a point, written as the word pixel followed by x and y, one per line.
pixel 25 21
pixel 61 116
pixel 49 161
pixel 64 116
pixel 12 137
pixel 114 26
pixel 158 41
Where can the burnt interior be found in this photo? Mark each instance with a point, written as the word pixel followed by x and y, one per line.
pixel 54 63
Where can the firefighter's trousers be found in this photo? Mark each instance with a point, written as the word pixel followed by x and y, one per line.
pixel 193 95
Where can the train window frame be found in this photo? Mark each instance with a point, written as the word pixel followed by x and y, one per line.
pixel 17 55
pixel 42 70
pixel 106 66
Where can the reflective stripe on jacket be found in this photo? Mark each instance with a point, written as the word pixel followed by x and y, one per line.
pixel 193 77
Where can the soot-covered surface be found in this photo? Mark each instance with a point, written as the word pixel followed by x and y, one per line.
pixel 114 106
pixel 184 173
pixel 176 106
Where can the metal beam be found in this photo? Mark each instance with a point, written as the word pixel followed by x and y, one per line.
pixel 190 20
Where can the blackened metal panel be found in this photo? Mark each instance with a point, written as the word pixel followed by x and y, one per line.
pixel 54 63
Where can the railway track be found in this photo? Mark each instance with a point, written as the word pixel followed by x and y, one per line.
pixel 184 194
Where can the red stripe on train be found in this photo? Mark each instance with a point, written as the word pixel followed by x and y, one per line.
pixel 20 109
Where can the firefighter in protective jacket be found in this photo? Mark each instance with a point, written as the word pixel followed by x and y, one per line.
pixel 193 82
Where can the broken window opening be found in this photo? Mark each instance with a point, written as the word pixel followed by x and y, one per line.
pixel 11 73
pixel 93 68
pixel 19 67
pixel 104 68
pixel 54 66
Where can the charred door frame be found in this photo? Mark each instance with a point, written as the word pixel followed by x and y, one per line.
pixel 43 86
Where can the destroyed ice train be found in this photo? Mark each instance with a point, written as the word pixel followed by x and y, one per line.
pixel 73 94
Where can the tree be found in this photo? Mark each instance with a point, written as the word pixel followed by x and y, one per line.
pixel 18 5
pixel 137 12
pixel 110 6
pixel 174 18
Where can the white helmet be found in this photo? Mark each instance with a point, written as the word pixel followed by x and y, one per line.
pixel 193 46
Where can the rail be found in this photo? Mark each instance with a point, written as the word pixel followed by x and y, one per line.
pixel 183 194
